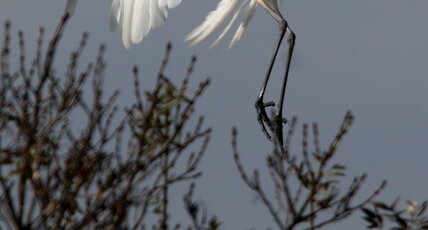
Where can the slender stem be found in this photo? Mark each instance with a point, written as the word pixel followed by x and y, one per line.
pixel 164 221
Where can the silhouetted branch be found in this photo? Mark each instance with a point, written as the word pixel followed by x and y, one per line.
pixel 198 213
pixel 381 215
pixel 317 201
pixel 63 164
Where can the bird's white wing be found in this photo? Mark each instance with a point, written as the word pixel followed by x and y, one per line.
pixel 135 18
pixel 216 17
pixel 248 15
pixel 229 25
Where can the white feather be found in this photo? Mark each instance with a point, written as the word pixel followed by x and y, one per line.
pixel 221 13
pixel 140 20
pixel 212 21
pixel 126 25
pixel 173 3
pixel 135 18
pixel 157 14
pixel 248 15
pixel 115 14
pixel 227 28
pixel 163 3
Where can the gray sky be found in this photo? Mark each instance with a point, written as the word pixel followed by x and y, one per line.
pixel 367 56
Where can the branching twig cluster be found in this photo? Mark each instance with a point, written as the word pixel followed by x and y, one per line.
pixel 379 215
pixel 55 175
pixel 307 186
pixel 198 213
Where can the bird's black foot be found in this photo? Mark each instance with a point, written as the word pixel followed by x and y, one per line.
pixel 270 126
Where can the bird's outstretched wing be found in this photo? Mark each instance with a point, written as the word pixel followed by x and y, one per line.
pixel 135 18
pixel 225 9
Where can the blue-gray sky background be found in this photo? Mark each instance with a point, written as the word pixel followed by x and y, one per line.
pixel 367 56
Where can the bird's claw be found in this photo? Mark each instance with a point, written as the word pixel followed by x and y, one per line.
pixel 268 104
pixel 262 116
pixel 274 125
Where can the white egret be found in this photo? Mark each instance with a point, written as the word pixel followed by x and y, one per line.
pixel 137 17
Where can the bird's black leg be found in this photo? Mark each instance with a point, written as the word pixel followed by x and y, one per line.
pixel 279 120
pixel 262 116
